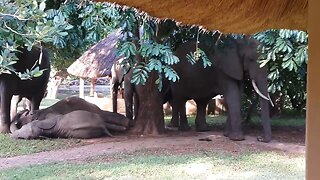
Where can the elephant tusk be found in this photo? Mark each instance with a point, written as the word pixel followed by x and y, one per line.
pixel 258 91
pixel 270 100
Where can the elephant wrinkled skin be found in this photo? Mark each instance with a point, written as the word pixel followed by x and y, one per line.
pixel 76 124
pixel 232 60
pixel 66 106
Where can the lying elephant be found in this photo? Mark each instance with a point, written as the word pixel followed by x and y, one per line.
pixel 66 106
pixel 76 124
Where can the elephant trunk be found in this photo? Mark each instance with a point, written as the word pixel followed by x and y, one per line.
pixel 262 88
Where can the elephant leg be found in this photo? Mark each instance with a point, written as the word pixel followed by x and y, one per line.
pixel 265 115
pixel 175 115
pixel 201 124
pixel 35 102
pixel 183 123
pixel 128 98
pixel 114 89
pixel 5 109
pixel 228 127
pixel 233 100
pixel 265 119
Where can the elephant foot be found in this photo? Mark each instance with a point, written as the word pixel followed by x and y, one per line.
pixel 184 127
pixel 131 123
pixel 202 128
pixel 4 129
pixel 236 136
pixel 264 139
pixel 226 133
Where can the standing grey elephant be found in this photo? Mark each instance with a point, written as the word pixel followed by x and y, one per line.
pixel 232 60
pixel 76 124
pixel 119 76
pixel 33 89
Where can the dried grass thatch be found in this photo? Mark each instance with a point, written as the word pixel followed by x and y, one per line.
pixel 97 60
pixel 228 16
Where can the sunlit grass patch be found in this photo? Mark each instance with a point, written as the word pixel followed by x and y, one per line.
pixel 209 165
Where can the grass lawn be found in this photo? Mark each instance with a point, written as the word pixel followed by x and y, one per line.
pixel 159 164
pixel 145 165
pixel 12 147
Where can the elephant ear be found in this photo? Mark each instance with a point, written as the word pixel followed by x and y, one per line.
pixel 47 124
pixel 227 58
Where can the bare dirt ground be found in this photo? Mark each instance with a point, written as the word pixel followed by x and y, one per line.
pixel 286 140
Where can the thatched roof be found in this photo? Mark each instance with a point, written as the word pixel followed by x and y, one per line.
pixel 98 59
pixel 228 16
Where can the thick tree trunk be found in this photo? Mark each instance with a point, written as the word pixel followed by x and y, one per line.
pixel 53 86
pixel 150 118
pixel 55 82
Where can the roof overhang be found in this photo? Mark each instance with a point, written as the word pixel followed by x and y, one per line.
pixel 228 16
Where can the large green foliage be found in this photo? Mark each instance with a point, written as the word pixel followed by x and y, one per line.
pixel 27 23
pixel 91 22
pixel 143 50
pixel 68 28
pixel 286 54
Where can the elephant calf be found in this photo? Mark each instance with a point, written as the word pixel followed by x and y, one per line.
pixel 76 124
pixel 71 117
pixel 63 107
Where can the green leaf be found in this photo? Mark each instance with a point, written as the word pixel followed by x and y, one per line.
pixel 63 33
pixel 170 74
pixel 140 74
pixel 155 64
pixel 42 6
pixel 263 62
pixel 191 58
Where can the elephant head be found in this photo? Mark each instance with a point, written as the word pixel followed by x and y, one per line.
pixel 28 131
pixel 20 119
pixel 24 117
pixel 34 129
pixel 237 58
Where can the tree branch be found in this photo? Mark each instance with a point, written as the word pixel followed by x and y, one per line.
pixel 9 28
pixel 14 16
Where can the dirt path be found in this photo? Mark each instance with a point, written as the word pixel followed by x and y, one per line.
pixel 189 143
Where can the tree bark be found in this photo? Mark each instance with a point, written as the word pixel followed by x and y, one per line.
pixel 150 118
pixel 54 83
